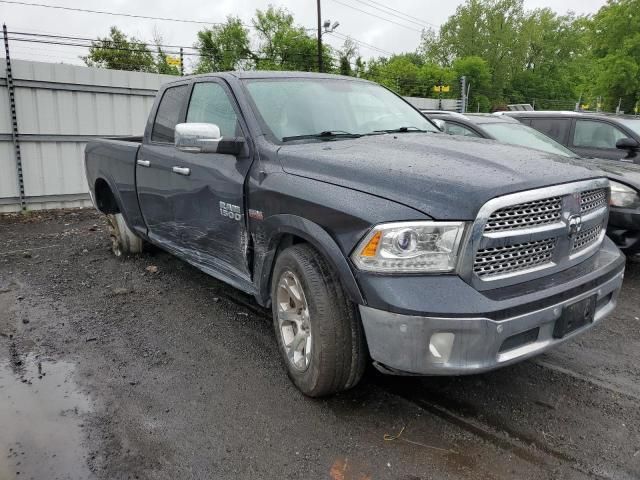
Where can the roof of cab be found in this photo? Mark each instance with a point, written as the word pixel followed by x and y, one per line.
pixel 265 74
pixel 475 118
pixel 563 113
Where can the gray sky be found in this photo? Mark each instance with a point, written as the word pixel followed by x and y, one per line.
pixel 353 21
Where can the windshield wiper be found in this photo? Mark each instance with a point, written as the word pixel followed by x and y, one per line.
pixel 401 130
pixel 327 134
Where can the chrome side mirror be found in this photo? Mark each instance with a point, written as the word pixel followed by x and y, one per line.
pixel 197 137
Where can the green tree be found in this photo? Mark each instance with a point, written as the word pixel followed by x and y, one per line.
pixel 615 39
pixel 282 45
pixel 476 70
pixel 119 52
pixel 347 54
pixel 224 47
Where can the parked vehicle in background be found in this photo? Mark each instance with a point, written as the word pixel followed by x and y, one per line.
pixel 596 135
pixel 366 230
pixel 624 217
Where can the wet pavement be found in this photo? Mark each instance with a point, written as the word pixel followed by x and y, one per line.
pixel 110 370
pixel 41 411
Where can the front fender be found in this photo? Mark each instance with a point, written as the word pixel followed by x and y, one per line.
pixel 267 242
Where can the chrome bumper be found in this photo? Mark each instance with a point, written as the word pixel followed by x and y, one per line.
pixel 406 344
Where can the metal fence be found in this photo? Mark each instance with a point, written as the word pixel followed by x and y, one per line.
pixel 55 110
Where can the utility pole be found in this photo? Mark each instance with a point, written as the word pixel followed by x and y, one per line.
pixel 319 38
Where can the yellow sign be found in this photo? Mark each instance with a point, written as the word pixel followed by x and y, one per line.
pixel 173 61
pixel 441 88
pixel 636 109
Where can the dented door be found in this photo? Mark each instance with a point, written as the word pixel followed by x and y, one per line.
pixel 209 188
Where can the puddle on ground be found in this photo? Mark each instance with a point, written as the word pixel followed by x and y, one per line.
pixel 41 412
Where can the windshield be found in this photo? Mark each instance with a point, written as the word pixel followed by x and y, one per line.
pixel 633 124
pixel 517 134
pixel 294 107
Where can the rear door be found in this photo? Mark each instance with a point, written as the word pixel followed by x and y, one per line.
pixel 556 128
pixel 154 177
pixel 597 139
pixel 209 204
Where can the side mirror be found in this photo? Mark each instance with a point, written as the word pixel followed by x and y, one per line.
pixel 441 124
pixel 205 138
pixel 630 145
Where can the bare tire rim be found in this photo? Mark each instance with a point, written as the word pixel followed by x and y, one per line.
pixel 293 321
pixel 114 233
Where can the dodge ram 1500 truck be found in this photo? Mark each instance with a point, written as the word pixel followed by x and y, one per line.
pixel 370 234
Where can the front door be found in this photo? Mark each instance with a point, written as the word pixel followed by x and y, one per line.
pixel 209 204
pixel 597 139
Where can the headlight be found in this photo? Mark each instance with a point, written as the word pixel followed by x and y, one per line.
pixel 410 247
pixel 623 196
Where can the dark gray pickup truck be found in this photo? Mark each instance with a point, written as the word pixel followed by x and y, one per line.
pixel 370 234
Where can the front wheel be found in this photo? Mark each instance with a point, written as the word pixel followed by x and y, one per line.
pixel 318 330
pixel 123 240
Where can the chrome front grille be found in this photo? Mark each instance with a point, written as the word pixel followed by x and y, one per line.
pixel 529 214
pixel 521 256
pixel 533 233
pixel 592 200
pixel 586 238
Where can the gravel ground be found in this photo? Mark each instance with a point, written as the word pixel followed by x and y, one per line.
pixel 144 367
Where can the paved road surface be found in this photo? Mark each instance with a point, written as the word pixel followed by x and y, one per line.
pixel 108 370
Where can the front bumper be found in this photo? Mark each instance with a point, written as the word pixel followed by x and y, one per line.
pixel 476 342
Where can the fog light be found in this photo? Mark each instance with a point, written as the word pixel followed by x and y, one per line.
pixel 440 347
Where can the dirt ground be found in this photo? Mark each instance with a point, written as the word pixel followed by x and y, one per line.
pixel 144 367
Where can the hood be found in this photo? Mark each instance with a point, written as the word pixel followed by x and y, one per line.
pixel 444 176
pixel 618 170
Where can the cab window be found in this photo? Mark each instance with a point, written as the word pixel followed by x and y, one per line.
pixel 592 134
pixel 457 129
pixel 168 114
pixel 556 128
pixel 210 103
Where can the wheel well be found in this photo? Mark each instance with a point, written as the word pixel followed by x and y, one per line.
pixel 105 200
pixel 284 241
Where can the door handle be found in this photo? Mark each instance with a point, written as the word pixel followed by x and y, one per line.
pixel 143 163
pixel 181 170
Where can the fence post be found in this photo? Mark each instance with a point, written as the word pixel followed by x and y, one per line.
pixel 463 94
pixel 14 121
pixel 181 62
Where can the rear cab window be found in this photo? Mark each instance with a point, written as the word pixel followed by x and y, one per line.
pixel 168 114
pixel 556 128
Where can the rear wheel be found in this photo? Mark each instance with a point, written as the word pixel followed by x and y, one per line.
pixel 318 330
pixel 123 240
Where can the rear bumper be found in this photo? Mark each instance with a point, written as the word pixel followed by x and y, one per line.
pixel 476 342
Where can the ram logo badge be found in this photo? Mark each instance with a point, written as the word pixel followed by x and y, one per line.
pixel 231 211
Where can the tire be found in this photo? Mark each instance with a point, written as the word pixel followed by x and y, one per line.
pixel 123 240
pixel 322 345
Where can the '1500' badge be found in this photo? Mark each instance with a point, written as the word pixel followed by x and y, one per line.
pixel 231 211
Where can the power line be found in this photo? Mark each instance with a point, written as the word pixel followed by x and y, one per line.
pixel 95 40
pixel 360 42
pixel 115 14
pixel 287 55
pixel 410 19
pixel 402 13
pixel 374 15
